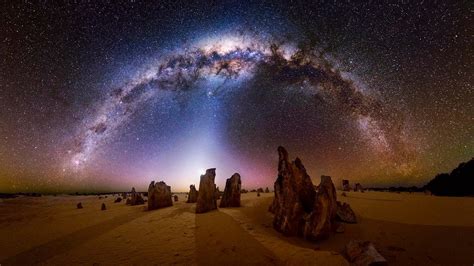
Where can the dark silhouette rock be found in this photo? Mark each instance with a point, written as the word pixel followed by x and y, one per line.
pixel 345 185
pixel 358 187
pixel 103 208
pixel 128 201
pixel 231 196
pixel 79 205
pixel 319 223
pixel 175 197
pixel 300 209
pixel 159 195
pixel 135 198
pixel 260 190
pixel 192 195
pixel 294 195
pixel 206 200
pixel 363 253
pixel 117 200
pixel 345 213
pixel 267 190
pixel 460 182
pixel 244 191
pixel 258 194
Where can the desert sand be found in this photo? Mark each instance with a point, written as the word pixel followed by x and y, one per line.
pixel 407 229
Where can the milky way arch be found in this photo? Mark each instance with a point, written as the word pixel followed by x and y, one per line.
pixel 232 57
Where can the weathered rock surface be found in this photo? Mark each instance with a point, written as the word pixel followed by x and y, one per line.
pixel 294 195
pixel 231 196
pixel 345 213
pixel 135 198
pixel 159 195
pixel 345 185
pixel 300 208
pixel 206 200
pixel 117 200
pixel 192 195
pixel 319 223
pixel 79 205
pixel 363 253
pixel 103 207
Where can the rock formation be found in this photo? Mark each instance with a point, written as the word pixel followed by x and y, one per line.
pixel 260 190
pixel 218 193
pixel 128 201
pixel 103 208
pixel 206 200
pixel 231 196
pixel 159 195
pixel 345 185
pixel 300 209
pixel 79 205
pixel 175 197
pixel 345 213
pixel 267 190
pixel 135 198
pixel 258 194
pixel 363 253
pixel 192 195
pixel 117 200
pixel 319 223
pixel 460 182
pixel 358 187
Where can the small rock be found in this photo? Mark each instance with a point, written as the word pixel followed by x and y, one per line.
pixel 345 213
pixel 79 205
pixel 258 194
pixel 175 197
pixel 117 200
pixel 363 253
pixel 103 208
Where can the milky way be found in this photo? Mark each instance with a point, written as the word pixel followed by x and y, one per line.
pixel 242 54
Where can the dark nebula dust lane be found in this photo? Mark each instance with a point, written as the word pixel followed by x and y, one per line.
pixel 140 91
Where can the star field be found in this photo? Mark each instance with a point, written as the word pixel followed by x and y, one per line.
pixel 104 97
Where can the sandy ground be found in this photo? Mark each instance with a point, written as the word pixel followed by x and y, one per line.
pixel 407 229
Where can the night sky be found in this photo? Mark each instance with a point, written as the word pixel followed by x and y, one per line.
pixel 100 96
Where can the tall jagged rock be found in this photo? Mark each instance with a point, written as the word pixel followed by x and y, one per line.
pixel 159 195
pixel 300 208
pixel 135 198
pixel 319 224
pixel 294 195
pixel 231 196
pixel 206 200
pixel 192 195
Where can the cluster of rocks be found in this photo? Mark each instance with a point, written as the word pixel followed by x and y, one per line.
pixel 135 198
pixel 159 195
pixel 299 208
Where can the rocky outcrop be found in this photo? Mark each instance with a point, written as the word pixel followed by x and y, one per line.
pixel 192 195
pixel 79 205
pixel 231 196
pixel 175 197
pixel 319 223
pixel 345 213
pixel 117 200
pixel 244 191
pixel 135 198
pixel 458 183
pixel 206 200
pixel 363 253
pixel 103 208
pixel 301 209
pixel 294 195
pixel 159 195
pixel 345 185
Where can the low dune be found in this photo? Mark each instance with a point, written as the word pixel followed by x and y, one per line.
pixel 407 229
